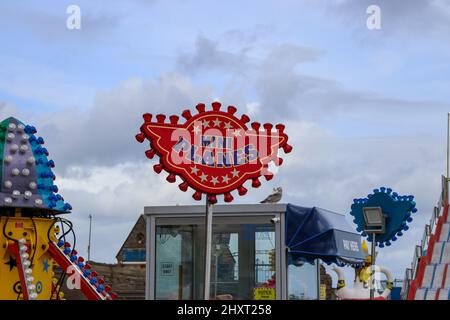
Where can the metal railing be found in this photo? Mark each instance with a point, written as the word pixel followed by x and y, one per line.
pixel 405 288
pixel 420 250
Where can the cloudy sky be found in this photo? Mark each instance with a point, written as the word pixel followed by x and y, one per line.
pixel 363 108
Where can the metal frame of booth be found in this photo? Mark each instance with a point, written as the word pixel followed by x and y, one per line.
pixel 163 215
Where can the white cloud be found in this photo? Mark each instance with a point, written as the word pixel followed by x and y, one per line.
pixel 323 170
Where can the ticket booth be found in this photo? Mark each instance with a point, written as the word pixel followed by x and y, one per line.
pixel 250 259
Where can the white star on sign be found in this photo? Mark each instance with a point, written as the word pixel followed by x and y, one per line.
pixel 225 178
pixel 206 124
pixel 234 173
pixel 227 125
pixel 214 180
pixel 217 123
pixel 194 170
pixel 196 129
pixel 237 133
pixel 204 177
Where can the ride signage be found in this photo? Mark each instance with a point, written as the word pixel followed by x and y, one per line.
pixel 213 152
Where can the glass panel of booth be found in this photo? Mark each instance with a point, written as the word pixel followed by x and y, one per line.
pixel 302 280
pixel 248 260
pixel 242 261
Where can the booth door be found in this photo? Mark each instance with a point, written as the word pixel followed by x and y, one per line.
pixel 242 258
pixel 174 264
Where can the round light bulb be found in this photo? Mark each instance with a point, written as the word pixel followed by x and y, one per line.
pixel 8 158
pixel 20 128
pixel 14 148
pixel 23 148
pixel 10 136
pixel 27 194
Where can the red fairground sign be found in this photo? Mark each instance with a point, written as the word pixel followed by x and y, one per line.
pixel 213 152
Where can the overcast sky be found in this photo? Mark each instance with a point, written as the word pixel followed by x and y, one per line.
pixel 363 108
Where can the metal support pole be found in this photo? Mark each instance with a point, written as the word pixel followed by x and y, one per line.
pixel 89 242
pixel 372 271
pixel 448 143
pixel 208 242
pixel 448 158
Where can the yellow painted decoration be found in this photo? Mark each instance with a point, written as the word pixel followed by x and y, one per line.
pixel 364 247
pixel 323 292
pixel 364 275
pixel 36 233
pixel 264 293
